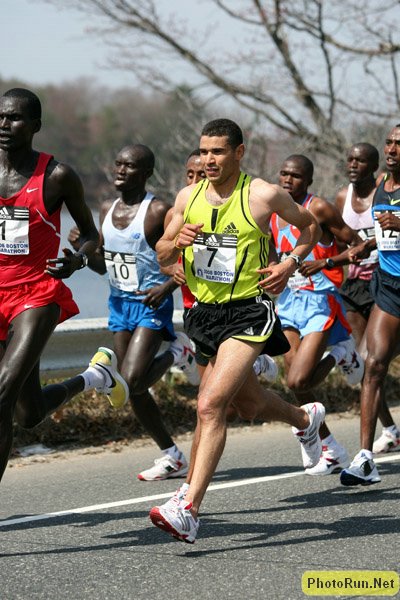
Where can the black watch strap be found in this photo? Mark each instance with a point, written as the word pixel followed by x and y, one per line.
pixel 83 258
pixel 329 264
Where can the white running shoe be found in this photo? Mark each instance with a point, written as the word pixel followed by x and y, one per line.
pixel 362 471
pixel 165 467
pixel 116 387
pixel 177 497
pixel 352 365
pixel 387 442
pixel 182 349
pixel 176 520
pixel 311 445
pixel 265 367
pixel 332 460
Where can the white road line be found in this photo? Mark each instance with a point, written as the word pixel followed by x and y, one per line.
pixel 130 501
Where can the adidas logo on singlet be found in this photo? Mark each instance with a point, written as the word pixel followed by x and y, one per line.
pixel 212 241
pixel 231 228
pixel 4 213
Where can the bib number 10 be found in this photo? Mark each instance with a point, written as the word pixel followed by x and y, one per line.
pixel 121 269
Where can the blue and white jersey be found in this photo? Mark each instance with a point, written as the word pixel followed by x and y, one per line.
pixel 388 242
pixel 131 263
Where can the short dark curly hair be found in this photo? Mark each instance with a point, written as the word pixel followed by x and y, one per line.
pixel 221 127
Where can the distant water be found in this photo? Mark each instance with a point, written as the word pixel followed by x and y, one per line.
pixel 90 290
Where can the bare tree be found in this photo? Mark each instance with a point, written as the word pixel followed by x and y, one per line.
pixel 309 68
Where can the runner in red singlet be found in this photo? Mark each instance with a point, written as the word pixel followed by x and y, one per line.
pixel 33 300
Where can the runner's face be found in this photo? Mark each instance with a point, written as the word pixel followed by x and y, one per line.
pixel 392 150
pixel 293 178
pixel 194 170
pixel 359 165
pixel 16 126
pixel 220 160
pixel 129 171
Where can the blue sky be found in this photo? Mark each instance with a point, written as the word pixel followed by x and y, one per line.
pixel 43 44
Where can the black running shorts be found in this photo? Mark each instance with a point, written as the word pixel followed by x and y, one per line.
pixel 253 319
pixel 199 357
pixel 357 297
pixel 385 290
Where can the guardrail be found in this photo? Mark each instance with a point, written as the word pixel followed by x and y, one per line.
pixel 74 342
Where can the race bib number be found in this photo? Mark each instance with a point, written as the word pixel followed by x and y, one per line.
pixel 14 230
pixel 214 256
pixel 121 269
pixel 296 281
pixel 367 234
pixel 386 239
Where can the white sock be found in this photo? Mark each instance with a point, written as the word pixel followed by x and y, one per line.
pixel 392 429
pixel 176 351
pixel 185 487
pixel 173 451
pixel 257 366
pixel 93 378
pixel 367 453
pixel 338 353
pixel 329 441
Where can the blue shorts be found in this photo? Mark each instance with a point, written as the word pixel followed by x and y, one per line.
pixel 126 315
pixel 308 312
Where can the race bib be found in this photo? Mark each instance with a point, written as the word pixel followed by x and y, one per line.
pixel 121 269
pixel 214 256
pixel 14 230
pixel 367 234
pixel 386 239
pixel 296 281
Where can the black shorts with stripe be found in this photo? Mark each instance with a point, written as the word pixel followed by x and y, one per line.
pixel 253 319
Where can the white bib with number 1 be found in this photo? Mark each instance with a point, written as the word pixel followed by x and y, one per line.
pixel 14 230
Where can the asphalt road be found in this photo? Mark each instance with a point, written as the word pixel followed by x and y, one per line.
pixel 263 524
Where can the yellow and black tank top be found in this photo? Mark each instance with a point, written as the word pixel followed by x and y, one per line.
pixel 221 265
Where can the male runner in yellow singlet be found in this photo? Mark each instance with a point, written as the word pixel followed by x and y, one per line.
pixel 221 227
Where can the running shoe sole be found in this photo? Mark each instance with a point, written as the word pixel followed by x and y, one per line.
pixel 161 522
pixel 349 479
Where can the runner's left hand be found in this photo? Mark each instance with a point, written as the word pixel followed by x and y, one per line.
pixel 155 295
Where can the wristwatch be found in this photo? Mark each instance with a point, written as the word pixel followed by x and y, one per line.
pixel 297 259
pixel 329 264
pixel 83 258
